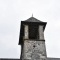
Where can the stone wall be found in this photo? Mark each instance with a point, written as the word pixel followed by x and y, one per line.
pixel 34 50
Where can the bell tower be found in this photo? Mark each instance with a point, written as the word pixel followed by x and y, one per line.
pixel 32 39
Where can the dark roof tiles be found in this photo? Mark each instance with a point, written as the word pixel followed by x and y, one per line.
pixel 20 59
pixel 53 58
pixel 32 19
pixel 8 59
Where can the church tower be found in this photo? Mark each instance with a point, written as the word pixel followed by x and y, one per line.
pixel 32 39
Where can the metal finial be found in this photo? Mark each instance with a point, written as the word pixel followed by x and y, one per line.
pixel 32 15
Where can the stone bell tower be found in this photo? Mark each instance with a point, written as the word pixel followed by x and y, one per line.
pixel 32 39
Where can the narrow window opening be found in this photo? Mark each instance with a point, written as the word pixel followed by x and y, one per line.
pixel 33 32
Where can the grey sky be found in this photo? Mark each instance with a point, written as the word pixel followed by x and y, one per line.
pixel 13 11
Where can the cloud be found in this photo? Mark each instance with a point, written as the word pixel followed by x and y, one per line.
pixel 13 11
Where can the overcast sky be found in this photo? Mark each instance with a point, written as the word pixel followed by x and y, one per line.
pixel 12 12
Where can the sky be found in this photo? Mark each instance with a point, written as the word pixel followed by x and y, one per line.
pixel 12 12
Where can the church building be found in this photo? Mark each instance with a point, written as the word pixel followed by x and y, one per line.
pixel 32 40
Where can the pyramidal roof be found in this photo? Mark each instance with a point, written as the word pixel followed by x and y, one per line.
pixel 32 19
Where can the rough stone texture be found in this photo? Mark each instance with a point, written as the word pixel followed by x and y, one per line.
pixel 34 50
pixel 41 33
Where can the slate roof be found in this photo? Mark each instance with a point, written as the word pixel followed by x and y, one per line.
pixel 8 59
pixel 32 19
pixel 53 58
pixel 19 59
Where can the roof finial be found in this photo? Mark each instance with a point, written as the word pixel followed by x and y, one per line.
pixel 32 15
